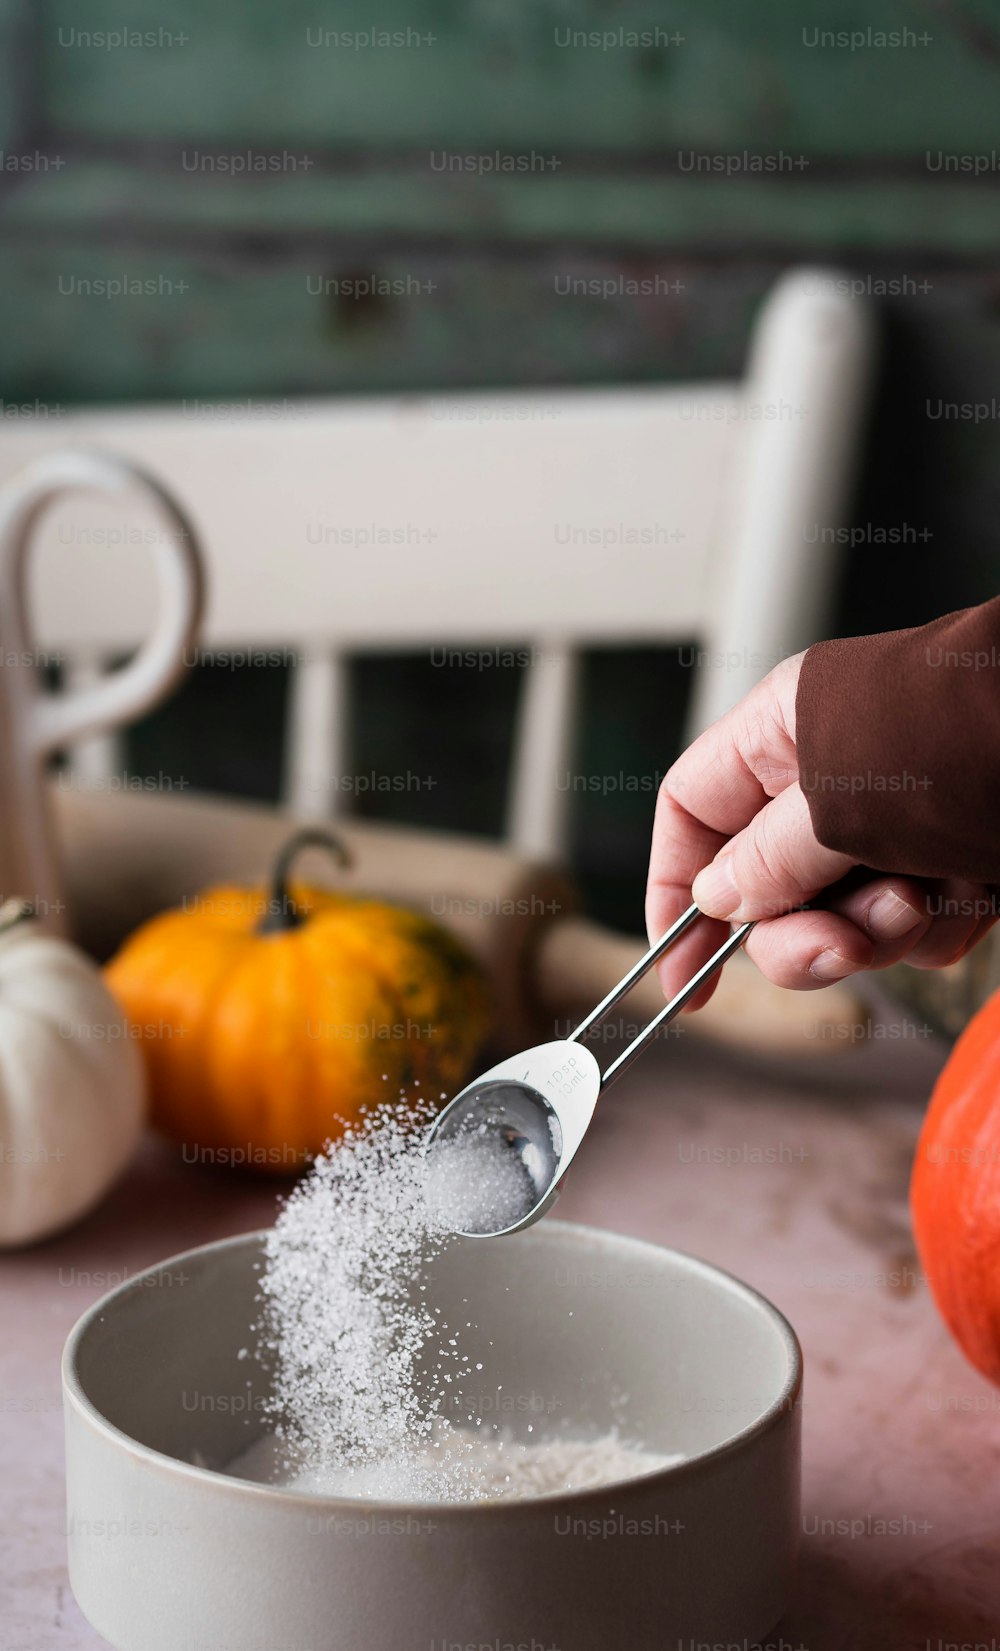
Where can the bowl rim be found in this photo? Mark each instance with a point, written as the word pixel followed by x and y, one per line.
pixel 346 1506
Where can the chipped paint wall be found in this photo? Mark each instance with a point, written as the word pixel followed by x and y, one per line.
pixel 242 168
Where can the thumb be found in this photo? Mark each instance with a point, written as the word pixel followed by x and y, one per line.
pixel 774 864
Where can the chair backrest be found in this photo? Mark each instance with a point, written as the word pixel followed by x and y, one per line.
pixel 531 520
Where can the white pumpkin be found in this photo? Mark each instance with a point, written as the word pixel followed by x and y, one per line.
pixel 72 1082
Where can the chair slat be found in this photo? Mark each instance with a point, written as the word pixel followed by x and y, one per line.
pixel 316 734
pixel 538 815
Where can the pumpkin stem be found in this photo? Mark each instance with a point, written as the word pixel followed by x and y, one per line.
pixel 282 913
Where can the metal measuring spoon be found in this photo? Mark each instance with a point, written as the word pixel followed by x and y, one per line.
pixel 540 1103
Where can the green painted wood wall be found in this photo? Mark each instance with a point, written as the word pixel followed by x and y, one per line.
pixel 241 166
pixel 486 157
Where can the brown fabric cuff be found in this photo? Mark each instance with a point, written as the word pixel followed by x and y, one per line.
pixel 898 739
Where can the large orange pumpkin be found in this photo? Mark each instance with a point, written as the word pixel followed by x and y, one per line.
pixel 955 1191
pixel 270 1017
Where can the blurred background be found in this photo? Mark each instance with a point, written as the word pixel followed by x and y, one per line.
pixel 229 209
pixel 238 163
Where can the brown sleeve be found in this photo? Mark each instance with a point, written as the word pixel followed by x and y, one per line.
pixel 898 740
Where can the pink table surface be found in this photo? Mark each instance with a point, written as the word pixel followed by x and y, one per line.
pixel 798 1189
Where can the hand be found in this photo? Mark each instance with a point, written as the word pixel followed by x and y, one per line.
pixel 732 830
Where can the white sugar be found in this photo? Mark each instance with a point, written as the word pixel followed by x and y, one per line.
pixel 339 1312
pixel 474 1183
pixel 470 1467
pixel 364 1368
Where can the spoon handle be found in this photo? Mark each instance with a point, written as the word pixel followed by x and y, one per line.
pixel 677 1002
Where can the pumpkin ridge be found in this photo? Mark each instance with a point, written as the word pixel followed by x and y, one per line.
pixel 373 955
pixel 368 952
pixel 231 987
pixel 356 942
pixel 321 1100
pixel 197 1111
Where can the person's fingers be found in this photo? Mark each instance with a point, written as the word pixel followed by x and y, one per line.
pixel 714 789
pixel 958 909
pixel 863 928
pixel 773 865
pixel 681 845
pixel 985 924
pixel 869 927
pixel 809 949
pixel 893 913
pixel 733 832
pixel 664 904
pixel 718 784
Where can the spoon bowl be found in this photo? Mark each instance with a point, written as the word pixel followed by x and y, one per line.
pixel 538 1105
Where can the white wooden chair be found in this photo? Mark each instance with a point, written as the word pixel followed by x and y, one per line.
pixel 551 519
pixel 511 509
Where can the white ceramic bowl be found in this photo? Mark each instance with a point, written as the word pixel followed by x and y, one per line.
pixel 588 1330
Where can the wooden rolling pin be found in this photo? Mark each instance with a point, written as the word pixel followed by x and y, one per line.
pixel 127 856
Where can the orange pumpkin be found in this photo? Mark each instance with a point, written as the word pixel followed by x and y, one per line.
pixel 955 1191
pixel 271 1018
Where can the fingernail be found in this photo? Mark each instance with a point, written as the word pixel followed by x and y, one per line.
pixel 831 965
pixel 890 917
pixel 714 889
